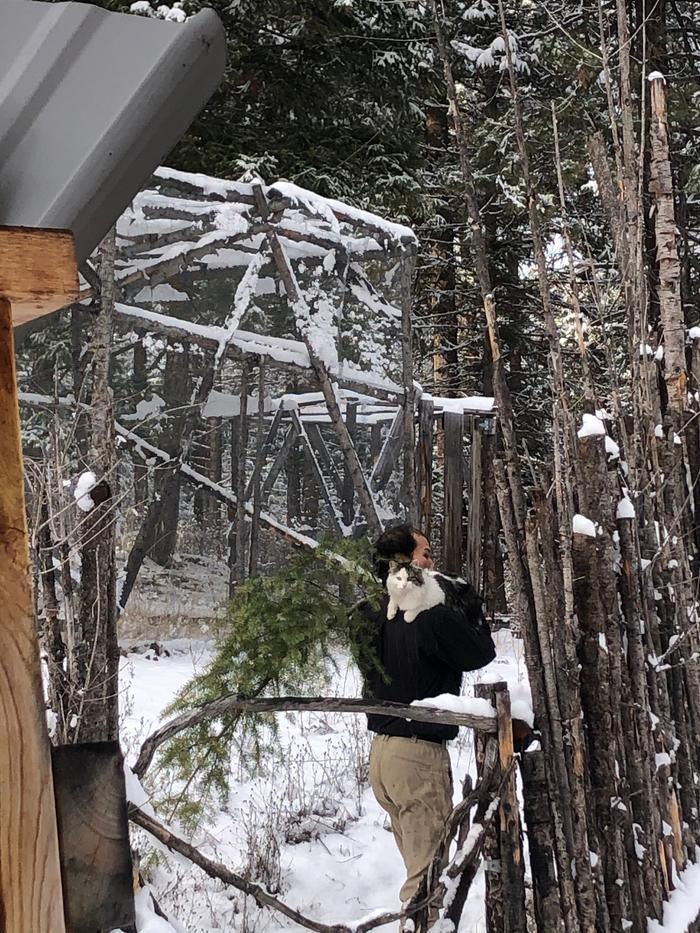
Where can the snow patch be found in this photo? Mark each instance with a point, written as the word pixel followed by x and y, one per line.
pixel 625 509
pixel 230 219
pixel 681 909
pixel 470 706
pixel 86 482
pixel 611 448
pixel 584 526
pixel 147 920
pixel 592 426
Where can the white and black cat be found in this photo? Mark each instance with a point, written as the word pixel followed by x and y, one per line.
pixel 413 590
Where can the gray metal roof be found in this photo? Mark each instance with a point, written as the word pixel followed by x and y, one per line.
pixel 90 103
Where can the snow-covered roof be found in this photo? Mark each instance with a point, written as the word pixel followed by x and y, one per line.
pixel 190 243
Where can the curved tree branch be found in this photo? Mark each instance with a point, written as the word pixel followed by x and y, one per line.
pixel 464 863
pixel 262 897
pixel 234 703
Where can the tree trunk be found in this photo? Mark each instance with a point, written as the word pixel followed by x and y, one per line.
pixel 176 386
pixel 95 665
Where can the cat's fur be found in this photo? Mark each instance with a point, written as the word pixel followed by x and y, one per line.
pixel 413 590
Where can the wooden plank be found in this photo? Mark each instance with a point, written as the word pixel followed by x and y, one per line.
pixel 280 459
pixel 38 271
pixel 348 486
pixel 267 449
pixel 491 850
pixel 386 463
pixel 313 432
pixel 375 442
pixel 94 837
pixel 409 492
pixel 424 465
pixel 512 865
pixel 336 518
pixel 30 880
pixel 454 479
pixel 475 507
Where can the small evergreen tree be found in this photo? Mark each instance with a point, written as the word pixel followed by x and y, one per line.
pixel 282 634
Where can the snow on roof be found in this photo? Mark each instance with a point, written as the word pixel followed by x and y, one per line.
pixel 208 185
pixel 470 404
pixel 189 231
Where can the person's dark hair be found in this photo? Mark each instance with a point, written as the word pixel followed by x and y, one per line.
pixel 398 541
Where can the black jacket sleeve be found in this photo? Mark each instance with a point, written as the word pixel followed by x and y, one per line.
pixel 462 640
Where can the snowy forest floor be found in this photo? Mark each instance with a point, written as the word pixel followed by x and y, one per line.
pixel 307 824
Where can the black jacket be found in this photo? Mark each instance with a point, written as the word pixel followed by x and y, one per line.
pixel 424 658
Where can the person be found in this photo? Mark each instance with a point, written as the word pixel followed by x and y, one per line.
pixel 410 772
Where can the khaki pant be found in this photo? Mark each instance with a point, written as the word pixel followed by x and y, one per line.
pixel 412 781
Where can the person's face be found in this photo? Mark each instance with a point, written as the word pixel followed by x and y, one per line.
pixel 422 555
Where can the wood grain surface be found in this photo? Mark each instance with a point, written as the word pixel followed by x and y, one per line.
pixel 38 271
pixel 30 880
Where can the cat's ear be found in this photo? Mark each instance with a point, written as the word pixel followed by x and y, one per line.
pixel 393 566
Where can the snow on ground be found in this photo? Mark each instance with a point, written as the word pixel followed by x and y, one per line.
pixel 313 789
pixel 682 907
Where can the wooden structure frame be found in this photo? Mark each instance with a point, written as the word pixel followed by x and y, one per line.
pixel 173 236
pixel 38 274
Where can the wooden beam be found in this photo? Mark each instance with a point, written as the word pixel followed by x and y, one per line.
pixel 31 900
pixel 268 446
pixel 279 461
pixel 454 479
pixel 348 486
pixel 313 432
pixel 352 461
pixel 475 507
pixel 386 463
pixel 244 343
pixel 316 469
pixel 38 271
pixel 424 466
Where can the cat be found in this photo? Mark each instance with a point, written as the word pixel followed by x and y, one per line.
pixel 413 590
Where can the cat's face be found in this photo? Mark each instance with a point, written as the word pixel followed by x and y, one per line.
pixel 403 576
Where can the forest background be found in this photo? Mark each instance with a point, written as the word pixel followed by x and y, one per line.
pixel 524 200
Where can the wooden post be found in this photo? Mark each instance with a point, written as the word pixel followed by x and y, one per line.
pixel 475 512
pixel 512 866
pixel 540 841
pixel 388 455
pixel 38 274
pixel 424 457
pixel 242 451
pixel 454 501
pixel 505 876
pixel 375 441
pixel 409 493
pixel 492 841
pixel 348 486
pixel 94 833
